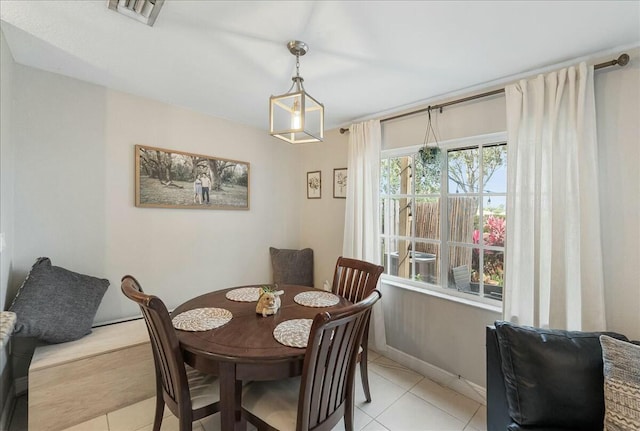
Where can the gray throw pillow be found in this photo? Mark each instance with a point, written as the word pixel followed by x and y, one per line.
pixel 56 305
pixel 621 384
pixel 292 266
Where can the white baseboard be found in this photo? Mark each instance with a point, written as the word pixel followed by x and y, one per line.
pixel 438 375
pixel 21 385
pixel 7 408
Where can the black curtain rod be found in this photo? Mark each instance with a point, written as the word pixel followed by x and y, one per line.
pixel 622 60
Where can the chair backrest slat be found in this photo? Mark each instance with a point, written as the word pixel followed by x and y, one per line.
pixel 341 375
pixel 355 279
pixel 331 380
pixel 329 364
pixel 167 376
pixel 319 365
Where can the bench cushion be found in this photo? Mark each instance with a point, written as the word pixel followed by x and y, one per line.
pixel 102 340
pixel 56 305
pixel 73 382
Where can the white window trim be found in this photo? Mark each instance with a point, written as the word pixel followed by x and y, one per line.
pixel 441 292
pixel 432 289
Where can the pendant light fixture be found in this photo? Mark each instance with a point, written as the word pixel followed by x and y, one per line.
pixel 295 116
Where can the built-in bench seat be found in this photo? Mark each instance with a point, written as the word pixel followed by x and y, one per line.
pixel 108 369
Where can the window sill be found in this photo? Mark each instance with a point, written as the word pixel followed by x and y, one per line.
pixel 441 293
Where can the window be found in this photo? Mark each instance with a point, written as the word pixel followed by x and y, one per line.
pixel 443 221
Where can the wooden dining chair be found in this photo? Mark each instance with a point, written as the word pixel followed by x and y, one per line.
pixel 355 279
pixel 189 394
pixel 323 395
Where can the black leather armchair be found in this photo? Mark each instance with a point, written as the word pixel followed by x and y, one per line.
pixel 497 408
pixel 552 380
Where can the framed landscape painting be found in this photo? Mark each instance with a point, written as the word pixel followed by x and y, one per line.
pixel 175 179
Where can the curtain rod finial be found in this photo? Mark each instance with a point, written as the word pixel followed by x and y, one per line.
pixel 343 130
pixel 623 60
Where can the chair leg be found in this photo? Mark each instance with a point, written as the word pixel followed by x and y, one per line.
pixel 364 374
pixel 348 412
pixel 364 363
pixel 185 423
pixel 157 420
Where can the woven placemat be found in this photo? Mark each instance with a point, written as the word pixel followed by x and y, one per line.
pixel 293 333
pixel 316 299
pixel 201 319
pixel 244 294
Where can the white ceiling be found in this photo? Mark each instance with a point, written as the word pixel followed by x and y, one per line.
pixel 225 58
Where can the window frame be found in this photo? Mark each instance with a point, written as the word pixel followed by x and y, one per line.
pixel 423 286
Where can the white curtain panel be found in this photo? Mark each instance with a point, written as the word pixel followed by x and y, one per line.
pixel 361 212
pixel 554 274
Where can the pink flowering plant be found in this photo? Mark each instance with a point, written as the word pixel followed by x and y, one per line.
pixel 493 234
pixel 496 228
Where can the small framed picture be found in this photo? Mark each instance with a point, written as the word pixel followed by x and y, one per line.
pixel 314 185
pixel 340 183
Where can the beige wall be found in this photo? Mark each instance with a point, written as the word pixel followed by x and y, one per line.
pixel 322 220
pixel 7 66
pixel 440 332
pixel 450 335
pixel 75 194
pixel 6 204
pixel 478 117
pixel 73 145
pixel 446 334
pixel 618 111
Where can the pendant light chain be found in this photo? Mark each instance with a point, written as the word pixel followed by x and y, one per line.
pixel 298 79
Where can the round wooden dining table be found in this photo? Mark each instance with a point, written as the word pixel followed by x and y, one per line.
pixel 244 349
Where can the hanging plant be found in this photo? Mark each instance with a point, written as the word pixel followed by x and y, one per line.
pixel 430 156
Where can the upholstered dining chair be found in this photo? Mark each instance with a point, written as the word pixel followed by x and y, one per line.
pixel 292 266
pixel 355 279
pixel 189 394
pixel 323 395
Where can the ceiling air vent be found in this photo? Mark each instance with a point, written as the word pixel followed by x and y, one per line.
pixel 145 11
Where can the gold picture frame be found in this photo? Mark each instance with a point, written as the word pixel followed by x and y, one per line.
pixel 176 179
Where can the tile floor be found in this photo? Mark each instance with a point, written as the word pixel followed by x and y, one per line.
pixel 402 401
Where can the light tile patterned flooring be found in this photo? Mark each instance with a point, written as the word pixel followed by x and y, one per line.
pixel 403 400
